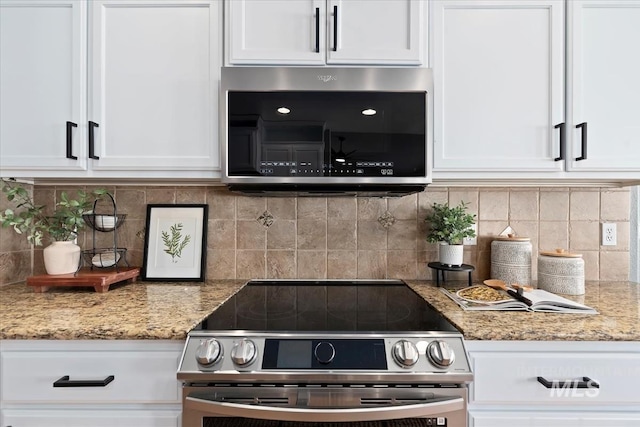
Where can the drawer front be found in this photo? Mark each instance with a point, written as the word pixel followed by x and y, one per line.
pixel 511 377
pixel 139 376
pixel 93 418
pixel 552 419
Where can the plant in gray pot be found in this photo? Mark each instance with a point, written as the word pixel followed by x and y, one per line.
pixel 449 226
pixel 61 226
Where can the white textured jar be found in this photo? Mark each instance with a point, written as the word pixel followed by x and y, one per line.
pixel 511 260
pixel 561 272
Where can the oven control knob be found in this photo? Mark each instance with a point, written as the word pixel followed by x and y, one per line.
pixel 440 354
pixel 405 353
pixel 208 352
pixel 243 352
pixel 324 352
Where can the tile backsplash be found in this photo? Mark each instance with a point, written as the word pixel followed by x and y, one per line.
pixel 251 237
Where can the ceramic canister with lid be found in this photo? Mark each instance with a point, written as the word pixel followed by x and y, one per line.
pixel 561 272
pixel 511 259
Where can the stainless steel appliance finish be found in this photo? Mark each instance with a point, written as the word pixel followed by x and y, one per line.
pixel 301 152
pixel 307 353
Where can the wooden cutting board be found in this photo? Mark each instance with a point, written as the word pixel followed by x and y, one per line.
pixel 99 278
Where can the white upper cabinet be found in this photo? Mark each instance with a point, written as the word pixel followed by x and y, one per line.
pixel 604 81
pixel 499 85
pixel 318 32
pixel 154 85
pixel 42 85
pixel 139 78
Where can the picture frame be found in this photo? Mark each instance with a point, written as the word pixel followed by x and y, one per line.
pixel 175 242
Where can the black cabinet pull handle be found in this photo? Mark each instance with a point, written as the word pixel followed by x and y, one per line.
pixel 584 141
pixel 318 29
pixel 66 382
pixel 586 382
pixel 70 126
pixel 92 126
pixel 560 126
pixel 335 28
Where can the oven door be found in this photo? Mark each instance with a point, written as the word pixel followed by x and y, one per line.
pixel 284 406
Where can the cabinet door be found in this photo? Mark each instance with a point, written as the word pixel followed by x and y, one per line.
pixel 539 418
pixel 605 88
pixel 61 417
pixel 42 85
pixel 154 82
pixel 376 32
pixel 498 85
pixel 276 32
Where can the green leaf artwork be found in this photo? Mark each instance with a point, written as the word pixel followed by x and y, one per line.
pixel 175 242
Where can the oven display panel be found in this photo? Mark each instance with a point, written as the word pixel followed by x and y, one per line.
pixel 352 354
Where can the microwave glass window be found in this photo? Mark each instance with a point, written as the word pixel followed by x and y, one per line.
pixel 326 134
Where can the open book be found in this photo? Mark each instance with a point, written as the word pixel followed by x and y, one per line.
pixel 541 301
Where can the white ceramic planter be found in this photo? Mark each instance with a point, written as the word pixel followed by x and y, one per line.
pixel 450 254
pixel 61 258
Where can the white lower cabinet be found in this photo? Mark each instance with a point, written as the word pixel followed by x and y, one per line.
pixel 105 383
pixel 554 384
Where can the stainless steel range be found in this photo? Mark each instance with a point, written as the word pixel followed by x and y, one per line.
pixel 316 353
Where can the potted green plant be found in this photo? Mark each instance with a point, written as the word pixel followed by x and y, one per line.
pixel 62 256
pixel 449 226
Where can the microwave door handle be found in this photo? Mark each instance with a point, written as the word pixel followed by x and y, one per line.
pixel 432 409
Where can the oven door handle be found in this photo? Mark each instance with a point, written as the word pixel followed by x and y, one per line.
pixel 438 408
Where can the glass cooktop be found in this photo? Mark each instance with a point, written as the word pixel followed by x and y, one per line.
pixel 331 306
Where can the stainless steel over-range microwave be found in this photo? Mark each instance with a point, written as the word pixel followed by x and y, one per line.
pixel 326 131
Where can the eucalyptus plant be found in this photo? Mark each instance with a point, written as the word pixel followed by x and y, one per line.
pixel 450 224
pixel 32 220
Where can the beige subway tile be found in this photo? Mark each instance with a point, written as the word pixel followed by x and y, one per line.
pixel 421 237
pixel 15 267
pixel 527 229
pixel 584 205
pixel 487 233
pixel 483 266
pixel 342 264
pixel 614 265
pixel 584 235
pixel 10 241
pixel 428 197
pixel 250 264
pixel 523 205
pixel 371 208
pixel 282 207
pixel 554 205
pixel 221 264
pixel 404 207
pixel 341 234
pixel 250 235
pixel 190 195
pixel 281 264
pixel 160 195
pixel 312 208
pixel 312 234
pixel 282 235
pixel 615 205
pixel 222 204
pixel 250 208
pixel 591 265
pixel 424 258
pixel 468 195
pixel 372 264
pixel 128 201
pixel 371 236
pixel 403 234
pixel 402 264
pixel 221 234
pixel 312 265
pixel 342 208
pixel 493 206
pixel 554 235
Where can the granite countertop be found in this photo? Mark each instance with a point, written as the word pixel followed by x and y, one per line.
pixel 149 310
pixel 618 305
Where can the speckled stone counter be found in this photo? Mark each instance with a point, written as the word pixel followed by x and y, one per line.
pixel 618 304
pixel 139 310
pixel 147 310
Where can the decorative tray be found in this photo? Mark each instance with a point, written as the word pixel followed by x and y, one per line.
pixel 99 279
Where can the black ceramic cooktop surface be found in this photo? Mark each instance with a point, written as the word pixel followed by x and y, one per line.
pixel 330 306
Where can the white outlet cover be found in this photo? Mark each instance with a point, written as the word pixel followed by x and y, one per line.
pixel 609 234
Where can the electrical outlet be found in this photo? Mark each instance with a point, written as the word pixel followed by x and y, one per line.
pixel 609 234
pixel 471 240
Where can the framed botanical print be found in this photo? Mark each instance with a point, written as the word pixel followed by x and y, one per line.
pixel 175 243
